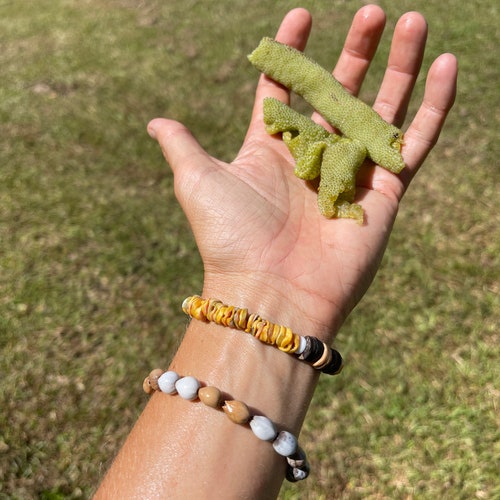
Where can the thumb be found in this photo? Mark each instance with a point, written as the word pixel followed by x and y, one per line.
pixel 190 163
pixel 180 148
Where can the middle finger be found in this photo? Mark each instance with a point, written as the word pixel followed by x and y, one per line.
pixel 405 59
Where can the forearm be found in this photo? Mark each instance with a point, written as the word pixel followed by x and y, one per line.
pixel 182 449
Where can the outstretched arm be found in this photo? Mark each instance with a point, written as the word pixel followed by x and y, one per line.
pixel 266 247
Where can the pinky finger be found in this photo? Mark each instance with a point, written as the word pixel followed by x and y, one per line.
pixel 439 96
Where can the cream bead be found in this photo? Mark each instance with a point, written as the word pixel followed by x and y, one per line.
pixel 237 411
pixel 147 386
pixel 210 396
pixel 153 378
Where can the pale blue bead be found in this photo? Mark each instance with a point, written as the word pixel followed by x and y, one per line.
pixel 187 387
pixel 167 381
pixel 263 428
pixel 285 444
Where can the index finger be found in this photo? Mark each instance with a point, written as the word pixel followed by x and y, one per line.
pixel 294 31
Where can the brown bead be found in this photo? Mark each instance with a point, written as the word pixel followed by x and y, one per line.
pixel 211 396
pixel 153 378
pixel 147 386
pixel 237 411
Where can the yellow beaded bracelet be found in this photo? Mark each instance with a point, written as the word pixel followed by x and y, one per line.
pixel 306 348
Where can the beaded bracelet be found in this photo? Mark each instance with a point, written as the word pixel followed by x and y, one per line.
pixel 306 348
pixel 189 388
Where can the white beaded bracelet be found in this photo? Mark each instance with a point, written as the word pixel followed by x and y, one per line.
pixel 189 388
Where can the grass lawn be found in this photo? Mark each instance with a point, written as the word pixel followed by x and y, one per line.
pixel 96 255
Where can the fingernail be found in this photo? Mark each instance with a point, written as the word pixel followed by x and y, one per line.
pixel 151 130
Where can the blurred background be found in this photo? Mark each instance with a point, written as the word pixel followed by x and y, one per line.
pixel 96 255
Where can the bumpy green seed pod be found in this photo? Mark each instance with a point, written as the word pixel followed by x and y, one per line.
pixel 355 119
pixel 305 139
pixel 318 152
pixel 337 186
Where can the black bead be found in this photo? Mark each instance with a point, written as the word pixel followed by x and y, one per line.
pixel 289 474
pixel 335 365
pixel 313 351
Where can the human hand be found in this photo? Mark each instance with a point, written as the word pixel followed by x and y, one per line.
pixel 263 241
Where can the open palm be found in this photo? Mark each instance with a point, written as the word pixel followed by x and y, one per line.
pixel 258 227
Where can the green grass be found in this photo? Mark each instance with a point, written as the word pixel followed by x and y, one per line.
pixel 96 255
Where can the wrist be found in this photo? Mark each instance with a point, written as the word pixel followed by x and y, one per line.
pixel 271 382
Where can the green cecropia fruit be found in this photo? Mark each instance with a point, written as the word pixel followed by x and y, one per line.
pixel 317 152
pixel 354 118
